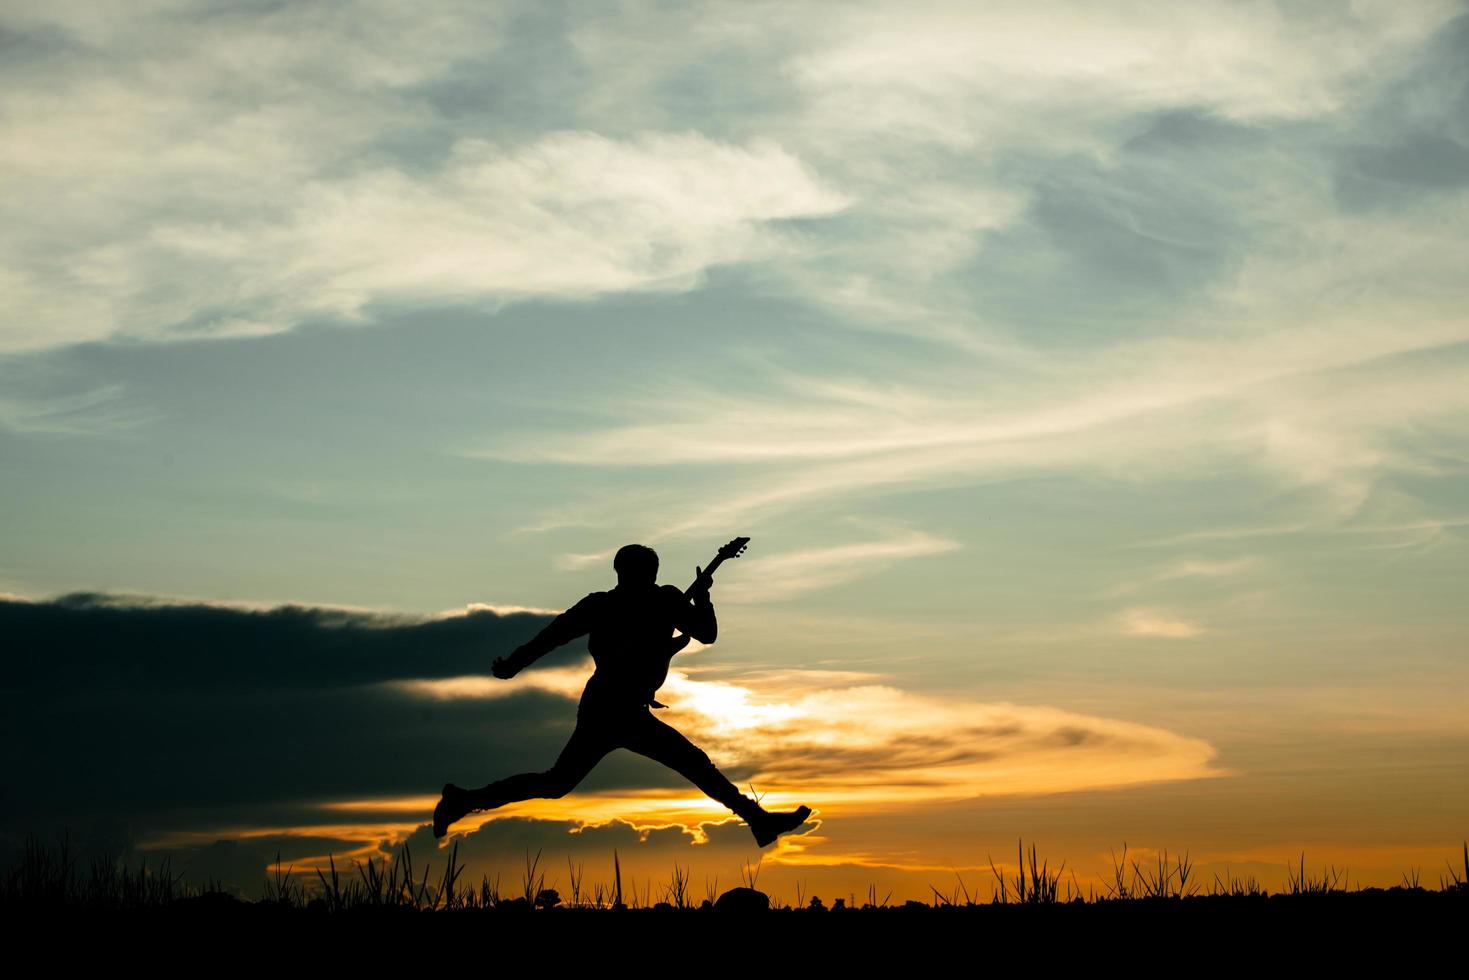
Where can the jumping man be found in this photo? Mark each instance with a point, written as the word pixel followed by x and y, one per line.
pixel 631 642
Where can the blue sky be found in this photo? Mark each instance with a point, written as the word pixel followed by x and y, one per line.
pixel 1103 359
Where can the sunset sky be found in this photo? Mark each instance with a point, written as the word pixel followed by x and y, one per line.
pixel 1092 381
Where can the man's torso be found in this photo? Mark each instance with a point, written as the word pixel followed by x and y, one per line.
pixel 629 643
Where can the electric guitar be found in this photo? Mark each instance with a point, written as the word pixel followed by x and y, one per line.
pixel 733 549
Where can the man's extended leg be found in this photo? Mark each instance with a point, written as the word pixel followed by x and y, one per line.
pixel 656 740
pixel 668 745
pixel 589 742
pixel 586 747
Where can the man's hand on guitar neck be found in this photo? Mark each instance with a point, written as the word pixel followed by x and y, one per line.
pixel 699 591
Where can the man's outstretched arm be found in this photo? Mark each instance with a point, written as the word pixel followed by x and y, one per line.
pixel 566 627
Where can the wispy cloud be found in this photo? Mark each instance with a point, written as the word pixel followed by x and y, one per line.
pixel 788 575
pixel 1145 622
pixel 1142 409
pixel 1188 569
pixel 1208 569
pixel 104 411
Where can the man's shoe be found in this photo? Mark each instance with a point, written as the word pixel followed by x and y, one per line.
pixel 769 826
pixel 451 807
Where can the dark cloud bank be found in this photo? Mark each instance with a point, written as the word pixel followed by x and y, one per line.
pixel 127 720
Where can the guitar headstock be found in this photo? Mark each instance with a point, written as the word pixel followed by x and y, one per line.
pixel 734 549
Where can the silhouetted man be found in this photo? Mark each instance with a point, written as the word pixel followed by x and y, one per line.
pixel 631 629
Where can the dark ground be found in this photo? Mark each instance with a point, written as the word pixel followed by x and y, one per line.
pixel 1337 926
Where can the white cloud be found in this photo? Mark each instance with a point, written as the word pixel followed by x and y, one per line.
pixel 1144 622
pixel 571 214
pixel 190 171
pixel 187 170
pixel 206 173
pixel 937 66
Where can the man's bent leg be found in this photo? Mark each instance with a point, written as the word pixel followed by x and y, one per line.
pixel 586 747
pixel 666 744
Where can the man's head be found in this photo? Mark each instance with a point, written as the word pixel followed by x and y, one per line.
pixel 635 564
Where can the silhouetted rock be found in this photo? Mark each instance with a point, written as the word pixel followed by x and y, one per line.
pixel 743 900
